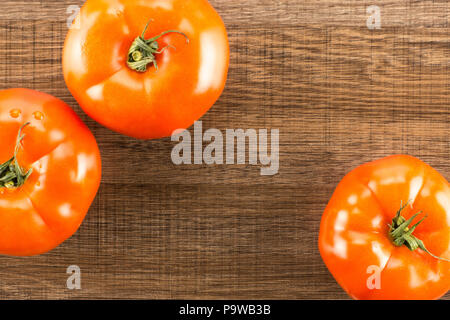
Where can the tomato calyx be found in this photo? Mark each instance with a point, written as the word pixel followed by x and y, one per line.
pixel 143 51
pixel 12 175
pixel 402 234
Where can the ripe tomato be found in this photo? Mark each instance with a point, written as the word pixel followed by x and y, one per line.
pixel 363 236
pixel 131 80
pixel 50 172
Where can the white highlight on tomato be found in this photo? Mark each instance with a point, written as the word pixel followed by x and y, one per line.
pixel 213 64
pixel 84 163
pixel 57 135
pixel 340 245
pixel 352 199
pixel 414 188
pixel 376 222
pixel 382 253
pixel 443 199
pixel 96 92
pixel 65 209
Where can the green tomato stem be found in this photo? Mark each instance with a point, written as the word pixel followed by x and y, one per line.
pixel 143 52
pixel 12 175
pixel 402 234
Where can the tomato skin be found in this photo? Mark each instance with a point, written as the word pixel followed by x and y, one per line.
pixel 155 103
pixel 354 232
pixel 64 156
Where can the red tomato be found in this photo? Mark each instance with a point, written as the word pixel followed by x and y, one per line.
pixel 364 240
pixel 50 172
pixel 131 80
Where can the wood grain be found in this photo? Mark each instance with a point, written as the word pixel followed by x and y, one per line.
pixel 340 94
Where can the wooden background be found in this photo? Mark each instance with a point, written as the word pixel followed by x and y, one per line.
pixel 340 94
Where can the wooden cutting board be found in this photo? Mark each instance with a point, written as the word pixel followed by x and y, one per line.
pixel 341 95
